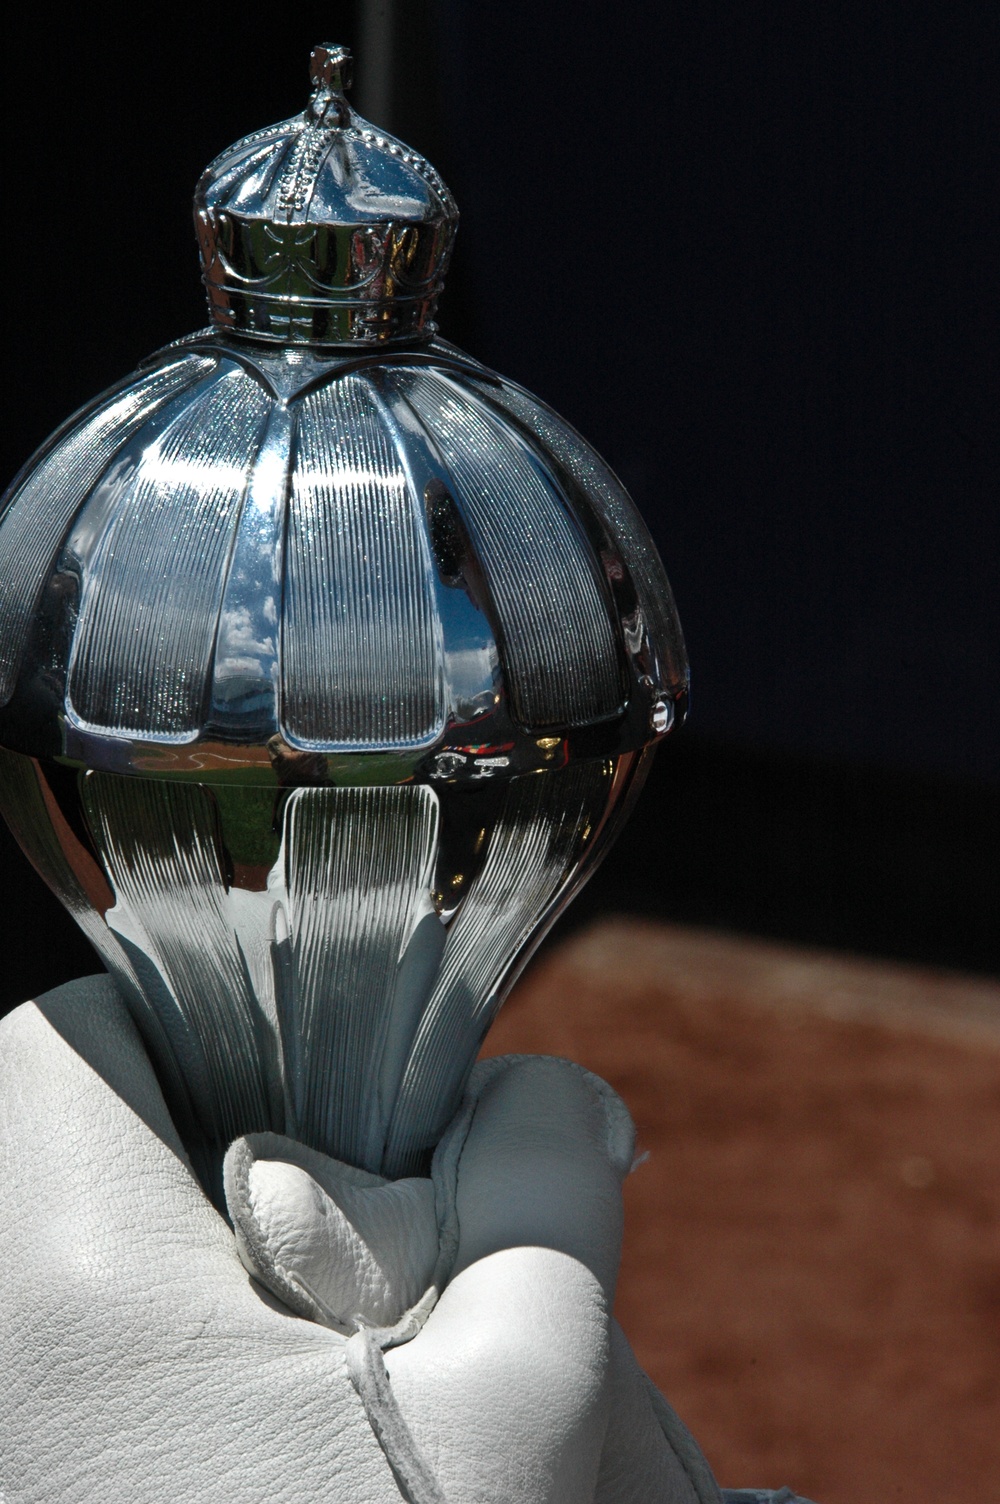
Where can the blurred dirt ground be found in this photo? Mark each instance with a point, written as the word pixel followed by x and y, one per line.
pixel 812 1253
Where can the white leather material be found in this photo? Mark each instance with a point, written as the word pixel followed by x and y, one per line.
pixel 336 1244
pixel 137 1362
pixel 635 1464
pixel 140 1363
pixel 539 1208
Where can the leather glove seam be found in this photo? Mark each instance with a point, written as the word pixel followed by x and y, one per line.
pixel 687 1451
pixel 370 1377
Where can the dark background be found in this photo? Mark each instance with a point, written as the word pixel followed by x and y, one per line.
pixel 750 250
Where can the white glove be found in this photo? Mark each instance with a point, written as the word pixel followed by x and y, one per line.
pixel 139 1362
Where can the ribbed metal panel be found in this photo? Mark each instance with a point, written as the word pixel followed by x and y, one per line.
pixel 558 644
pixel 44 835
pixel 360 644
pixel 41 511
pixel 153 584
pixel 539 837
pixel 604 491
pixel 359 868
pixel 159 844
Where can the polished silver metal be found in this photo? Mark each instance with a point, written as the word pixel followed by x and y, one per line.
pixel 324 230
pixel 326 676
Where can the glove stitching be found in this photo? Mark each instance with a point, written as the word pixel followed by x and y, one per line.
pixel 365 1363
pixel 368 1373
pixel 684 1447
pixel 619 1130
pixel 365 1347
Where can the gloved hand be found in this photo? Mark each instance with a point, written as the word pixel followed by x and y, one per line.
pixel 140 1362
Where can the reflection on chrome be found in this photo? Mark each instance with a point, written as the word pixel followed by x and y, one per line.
pixel 330 662
pixel 322 962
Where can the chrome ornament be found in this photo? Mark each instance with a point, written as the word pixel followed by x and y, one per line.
pixel 330 662
pixel 324 229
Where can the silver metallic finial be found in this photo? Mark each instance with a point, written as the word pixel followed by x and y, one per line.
pixel 323 230
pixel 330 67
pixel 326 674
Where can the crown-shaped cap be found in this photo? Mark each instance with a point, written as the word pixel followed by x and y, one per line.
pixel 323 230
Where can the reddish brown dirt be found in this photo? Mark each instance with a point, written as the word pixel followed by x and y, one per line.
pixel 812 1257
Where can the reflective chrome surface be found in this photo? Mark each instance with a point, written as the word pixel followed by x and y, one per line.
pixel 323 230
pixel 322 962
pixel 325 678
pixel 404 566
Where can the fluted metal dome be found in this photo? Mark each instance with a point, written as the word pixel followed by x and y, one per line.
pixel 411 559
